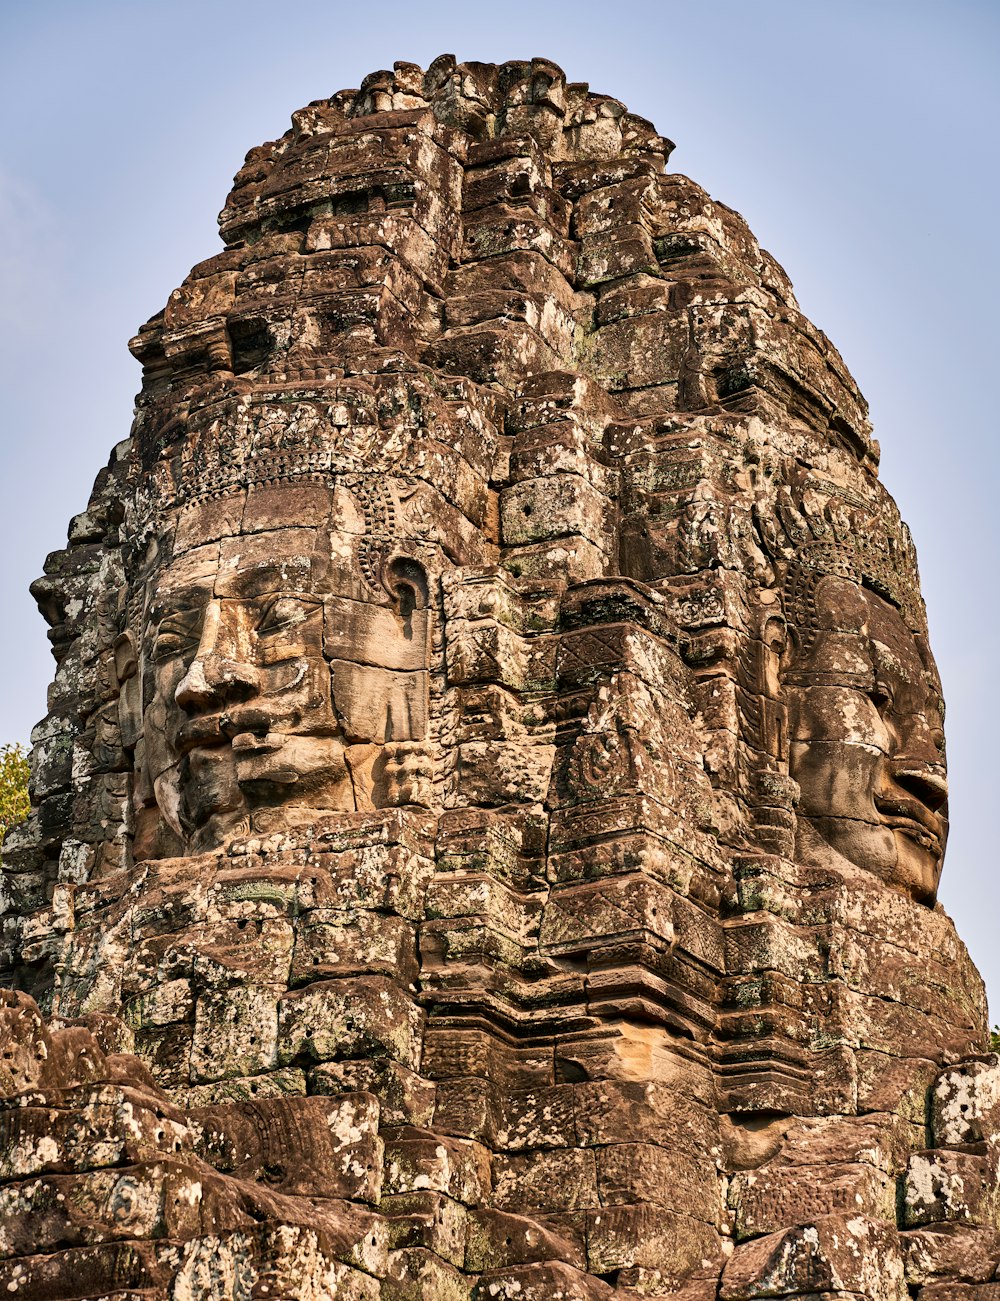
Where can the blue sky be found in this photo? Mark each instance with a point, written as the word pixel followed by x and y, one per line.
pixel 857 138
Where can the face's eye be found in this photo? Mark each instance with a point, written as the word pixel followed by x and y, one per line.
pixel 177 634
pixel 881 696
pixel 282 613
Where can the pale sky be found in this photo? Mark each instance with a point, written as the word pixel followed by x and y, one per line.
pixel 858 138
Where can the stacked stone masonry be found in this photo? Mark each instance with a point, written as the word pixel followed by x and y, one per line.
pixel 487 823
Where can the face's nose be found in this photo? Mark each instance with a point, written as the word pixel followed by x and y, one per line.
pixel 216 675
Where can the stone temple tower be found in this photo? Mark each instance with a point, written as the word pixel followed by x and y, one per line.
pixel 487 823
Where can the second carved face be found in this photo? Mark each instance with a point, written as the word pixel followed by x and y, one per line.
pixel 866 742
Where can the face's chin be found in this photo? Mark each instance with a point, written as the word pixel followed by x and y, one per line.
pixel 918 865
pixel 909 861
pixel 213 804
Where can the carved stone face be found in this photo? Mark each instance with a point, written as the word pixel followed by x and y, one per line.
pixel 866 743
pixel 272 673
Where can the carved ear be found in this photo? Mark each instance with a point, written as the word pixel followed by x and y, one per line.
pixel 406 580
pixel 126 664
pixel 774 640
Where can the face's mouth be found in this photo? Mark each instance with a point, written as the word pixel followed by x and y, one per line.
pixel 914 819
pixel 252 743
pixel 196 733
pixel 247 728
pixel 255 752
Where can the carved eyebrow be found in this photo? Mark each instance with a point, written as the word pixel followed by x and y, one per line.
pixel 828 678
pixel 271 578
pixel 185 620
pixel 177 605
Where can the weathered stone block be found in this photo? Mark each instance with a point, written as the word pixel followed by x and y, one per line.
pixel 551 1281
pixel 415 1273
pixel 348 1018
pixel 405 1098
pixel 546 1181
pixel 235 1033
pixel 839 1253
pixel 766 1200
pixel 965 1102
pixel 497 1240
pixel 427 1219
pixel 942 1185
pixel 962 1253
pixel 623 1237
pixel 321 1147
pixel 420 1160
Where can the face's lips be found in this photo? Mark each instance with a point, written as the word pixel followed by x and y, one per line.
pixel 255 760
pixel 249 725
pixel 248 719
pixel 204 730
pixel 249 743
pixel 916 832
pixel 912 818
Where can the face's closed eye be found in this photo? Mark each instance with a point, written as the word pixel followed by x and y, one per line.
pixel 882 697
pixel 177 634
pixel 287 628
pixel 282 613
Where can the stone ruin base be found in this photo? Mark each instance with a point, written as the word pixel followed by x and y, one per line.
pixel 111 1190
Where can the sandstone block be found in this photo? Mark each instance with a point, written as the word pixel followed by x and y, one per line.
pixel 942 1185
pixel 324 1147
pixel 557 1180
pixel 429 1220
pixel 497 1240
pixel 965 1102
pixel 641 1235
pixel 340 1018
pixel 839 1253
pixel 415 1273
pixel 419 1160
pixel 235 1033
pixel 962 1253
pixel 551 1281
pixel 765 1200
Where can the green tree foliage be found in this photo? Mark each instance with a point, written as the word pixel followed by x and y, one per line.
pixel 13 787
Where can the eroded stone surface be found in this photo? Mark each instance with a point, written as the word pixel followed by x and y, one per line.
pixel 487 825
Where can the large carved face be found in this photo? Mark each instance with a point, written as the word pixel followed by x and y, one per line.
pixel 866 742
pixel 273 672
